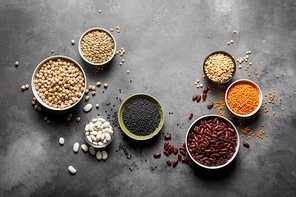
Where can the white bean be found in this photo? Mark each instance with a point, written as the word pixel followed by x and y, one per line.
pixel 91 126
pixel 87 133
pixel 99 155
pixel 92 150
pixel 99 135
pixel 102 120
pixel 89 138
pixel 86 128
pixel 94 120
pixel 76 147
pixel 72 170
pixel 98 123
pixel 93 138
pixel 61 141
pixel 100 143
pixel 87 107
pixel 84 147
pixel 106 124
pixel 104 155
pixel 108 137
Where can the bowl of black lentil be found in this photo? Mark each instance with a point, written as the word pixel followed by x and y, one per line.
pixel 141 116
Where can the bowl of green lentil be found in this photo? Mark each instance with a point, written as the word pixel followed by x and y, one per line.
pixel 141 116
pixel 243 98
pixel 219 67
pixel 97 46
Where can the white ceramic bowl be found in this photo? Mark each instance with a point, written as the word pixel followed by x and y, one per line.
pixel 260 98
pixel 197 122
pixel 35 91
pixel 96 29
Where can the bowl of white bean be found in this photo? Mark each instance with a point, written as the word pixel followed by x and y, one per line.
pixel 97 46
pixel 98 132
pixel 58 83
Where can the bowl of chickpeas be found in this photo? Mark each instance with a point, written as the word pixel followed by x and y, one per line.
pixel 97 46
pixel 58 83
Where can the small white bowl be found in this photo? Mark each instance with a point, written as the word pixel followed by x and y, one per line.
pixel 104 145
pixel 35 91
pixel 96 29
pixel 197 122
pixel 260 98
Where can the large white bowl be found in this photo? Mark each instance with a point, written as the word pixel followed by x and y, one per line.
pixel 196 122
pixel 36 71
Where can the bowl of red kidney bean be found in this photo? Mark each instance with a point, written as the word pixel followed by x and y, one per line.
pixel 212 141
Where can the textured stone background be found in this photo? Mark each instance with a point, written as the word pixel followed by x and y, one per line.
pixel 166 43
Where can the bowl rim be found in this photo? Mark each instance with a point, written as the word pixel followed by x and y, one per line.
pixel 104 144
pixel 225 53
pixel 260 98
pixel 236 148
pixel 95 29
pixel 37 69
pixel 130 134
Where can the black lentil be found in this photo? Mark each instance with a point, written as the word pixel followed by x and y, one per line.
pixel 141 116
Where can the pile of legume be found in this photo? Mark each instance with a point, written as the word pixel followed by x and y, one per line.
pixel 219 67
pixel 59 83
pixel 141 116
pixel 212 141
pixel 243 98
pixel 97 46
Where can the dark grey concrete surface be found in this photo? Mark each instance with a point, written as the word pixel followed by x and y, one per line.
pixel 166 43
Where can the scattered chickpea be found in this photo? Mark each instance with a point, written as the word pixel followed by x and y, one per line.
pixel 86 91
pixel 87 98
pixel 90 87
pixel 16 63
pixel 283 109
pixel 98 83
pixel 100 11
pixel 250 63
pixel 123 60
pixel 39 108
pixel 234 31
pixel 105 85
pixel 70 115
pixel 93 93
pixel 97 105
pixel 73 42
pixel 68 118
pixel 228 43
pixel 48 121
pixel 33 103
pixel 52 51
pixel 78 119
pixel 201 85
pixel 128 72
pixel 27 86
pixel 120 63
pixel 231 41
pixel 45 118
pixel 23 87
pixel 36 107
pixel 277 76
pixel 111 29
pixel 93 88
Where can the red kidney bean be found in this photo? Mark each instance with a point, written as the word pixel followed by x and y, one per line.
pixel 169 162
pixel 198 98
pixel 166 153
pixel 204 97
pixel 212 141
pixel 210 105
pixel 194 97
pixel 175 163
pixel 183 152
pixel 156 155
pixel 168 137
pixel 190 116
pixel 185 160
pixel 206 90
pixel 165 145
pixel 245 144
pixel 179 157
pixel 175 151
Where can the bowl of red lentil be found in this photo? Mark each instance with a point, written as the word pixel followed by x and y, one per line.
pixel 219 67
pixel 58 83
pixel 97 46
pixel 243 98
pixel 212 141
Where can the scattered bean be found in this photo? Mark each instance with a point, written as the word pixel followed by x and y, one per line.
pixel 210 105
pixel 84 147
pixel 156 155
pixel 87 107
pixel 169 163
pixel 76 147
pixel 190 116
pixel 99 155
pixel 61 141
pixel 245 144
pixel 167 137
pixel 92 150
pixel 104 155
pixel 175 163
pixel 72 170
